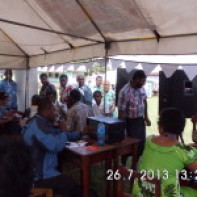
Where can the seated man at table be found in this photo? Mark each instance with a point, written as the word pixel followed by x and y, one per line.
pixel 46 142
pixel 78 112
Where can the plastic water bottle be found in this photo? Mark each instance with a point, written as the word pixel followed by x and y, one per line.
pixel 101 134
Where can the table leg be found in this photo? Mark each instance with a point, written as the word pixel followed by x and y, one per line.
pixel 108 183
pixel 85 177
pixel 115 168
pixel 135 157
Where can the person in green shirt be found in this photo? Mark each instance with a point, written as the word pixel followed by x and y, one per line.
pixel 164 157
pixel 109 96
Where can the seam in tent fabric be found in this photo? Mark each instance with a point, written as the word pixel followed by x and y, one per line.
pixel 71 46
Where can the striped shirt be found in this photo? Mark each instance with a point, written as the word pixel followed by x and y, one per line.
pixel 131 101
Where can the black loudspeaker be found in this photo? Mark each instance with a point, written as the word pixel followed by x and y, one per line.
pixel 178 91
pixel 123 77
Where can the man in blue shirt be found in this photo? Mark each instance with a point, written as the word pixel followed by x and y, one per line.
pixel 46 143
pixel 9 86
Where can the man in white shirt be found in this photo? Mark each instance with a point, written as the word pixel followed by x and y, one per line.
pixel 98 105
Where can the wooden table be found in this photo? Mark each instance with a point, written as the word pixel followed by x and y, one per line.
pixel 127 146
pixel 84 157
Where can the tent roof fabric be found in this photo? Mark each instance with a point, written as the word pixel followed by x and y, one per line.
pixel 49 32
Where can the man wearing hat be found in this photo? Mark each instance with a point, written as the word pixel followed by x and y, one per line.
pixel 9 86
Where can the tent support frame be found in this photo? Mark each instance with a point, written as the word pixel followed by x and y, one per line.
pixel 107 48
pixel 47 30
pixel 27 81
pixel 91 20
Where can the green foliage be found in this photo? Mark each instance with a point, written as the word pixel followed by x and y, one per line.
pixel 96 69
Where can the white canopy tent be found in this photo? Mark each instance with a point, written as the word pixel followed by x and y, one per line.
pixel 41 32
pixel 37 33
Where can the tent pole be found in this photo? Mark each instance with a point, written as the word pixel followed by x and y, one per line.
pixel 106 62
pixel 27 82
pixel 107 47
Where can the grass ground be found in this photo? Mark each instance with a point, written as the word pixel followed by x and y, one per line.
pixel 153 115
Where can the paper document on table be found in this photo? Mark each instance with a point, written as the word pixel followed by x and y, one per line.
pixel 76 144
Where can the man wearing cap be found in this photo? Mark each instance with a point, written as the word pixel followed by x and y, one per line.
pixel 9 86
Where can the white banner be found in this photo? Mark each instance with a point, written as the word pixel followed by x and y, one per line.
pixel 88 64
pixel 148 67
pixel 115 63
pixel 51 69
pixel 130 65
pixel 69 67
pixel 59 68
pixel 169 69
pixel 190 70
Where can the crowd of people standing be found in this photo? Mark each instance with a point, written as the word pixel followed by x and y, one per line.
pixel 77 102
